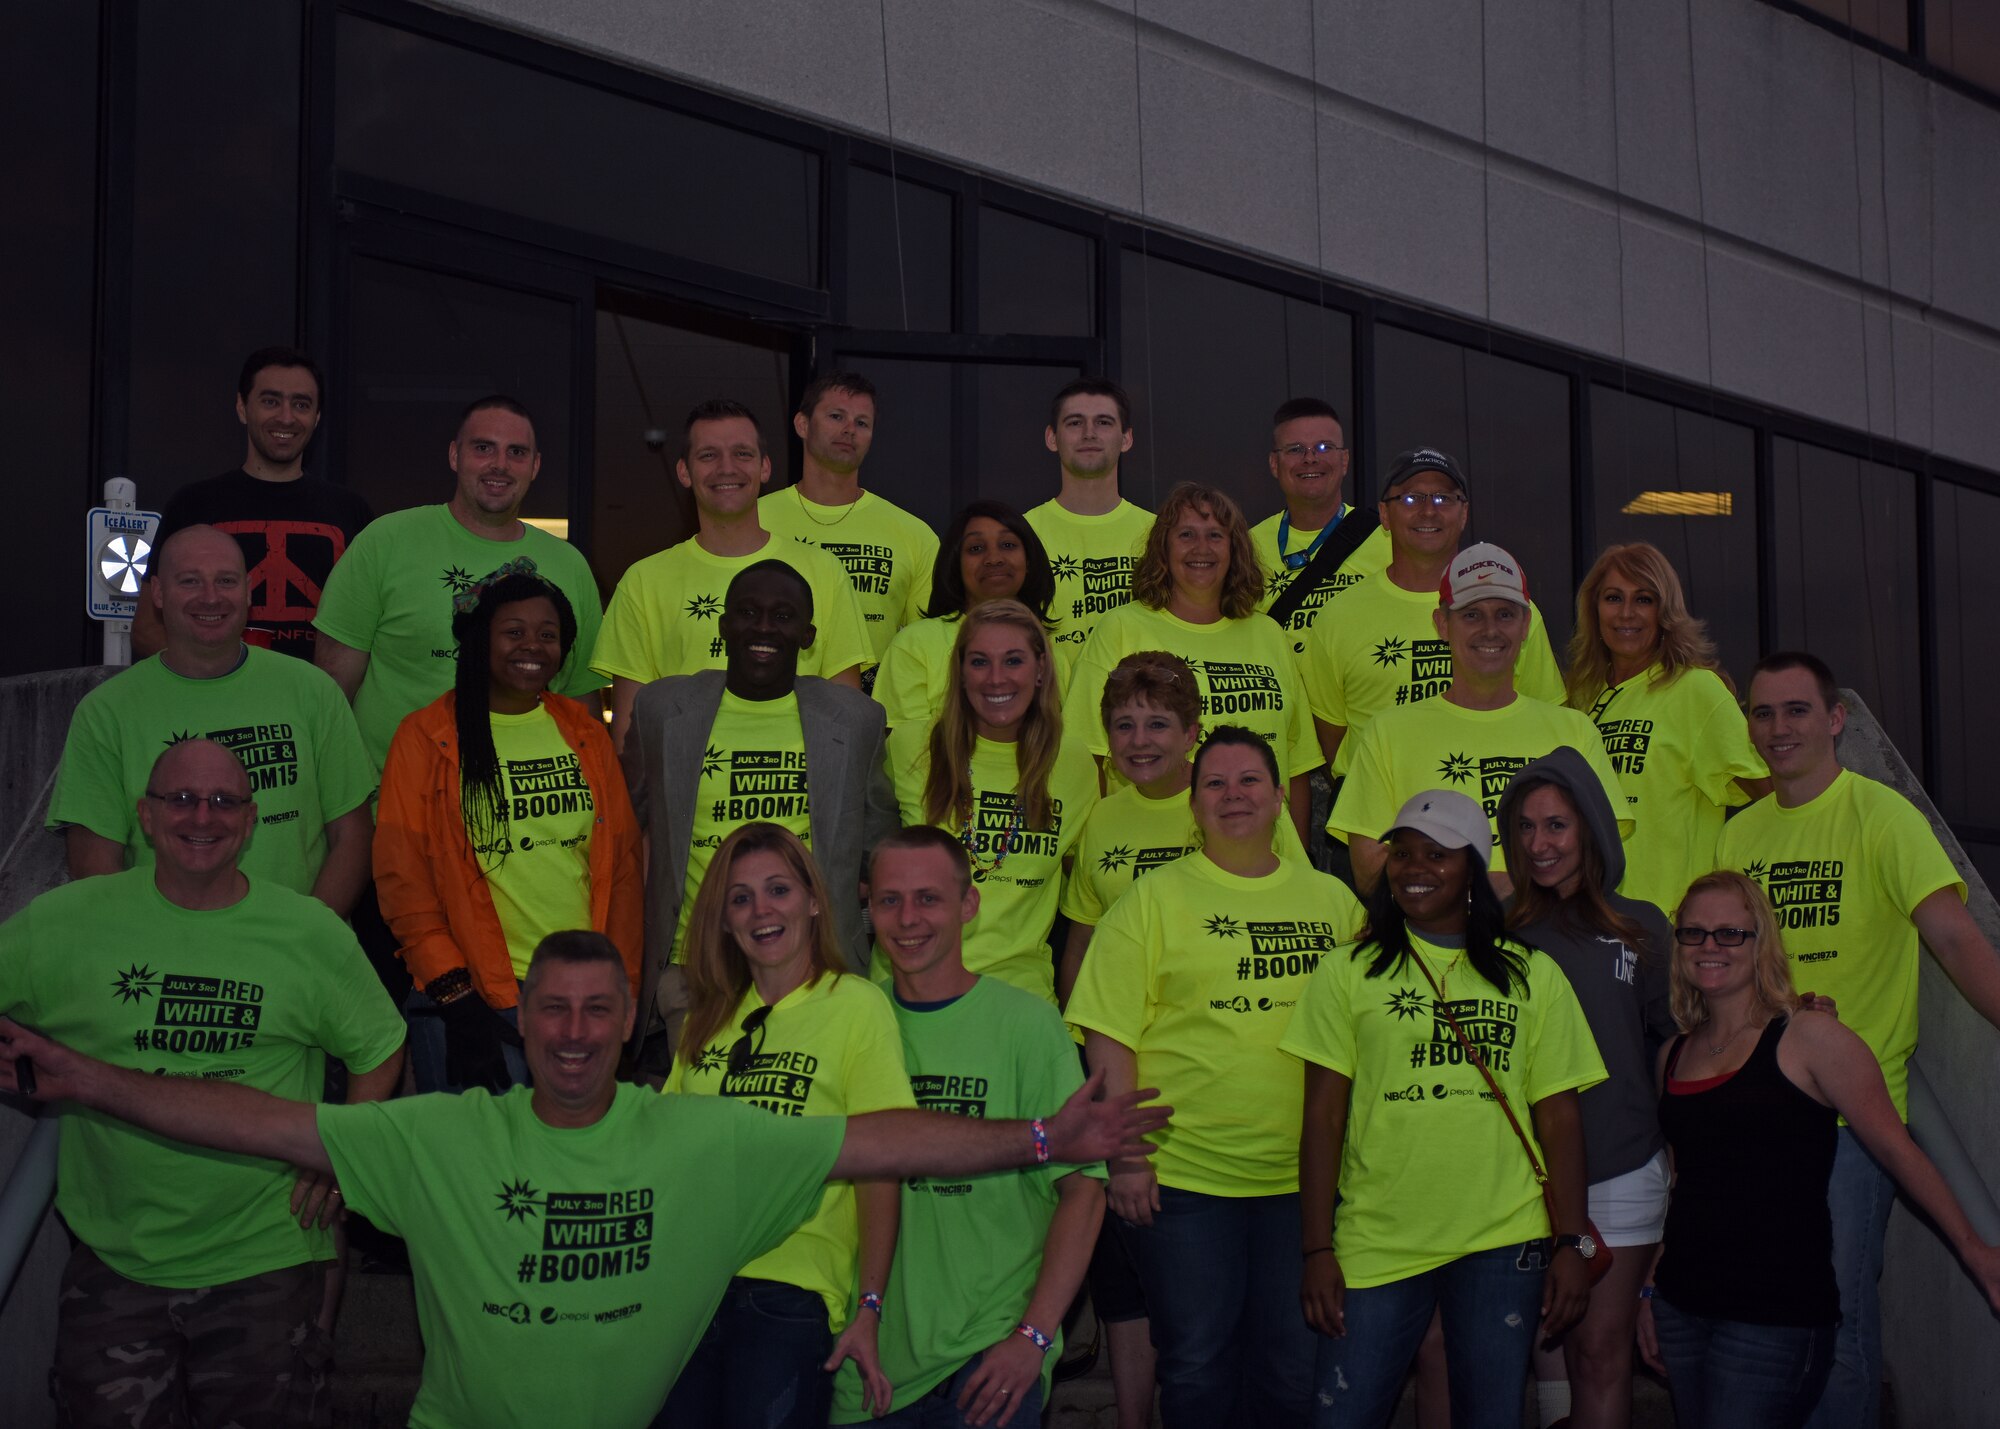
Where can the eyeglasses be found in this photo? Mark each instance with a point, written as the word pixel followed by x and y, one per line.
pixel 182 801
pixel 744 1052
pixel 1724 937
pixel 1299 451
pixel 1436 500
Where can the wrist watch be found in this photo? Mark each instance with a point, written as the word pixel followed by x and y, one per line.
pixel 1583 1245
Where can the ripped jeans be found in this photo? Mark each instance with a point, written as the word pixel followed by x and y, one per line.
pixel 1491 1302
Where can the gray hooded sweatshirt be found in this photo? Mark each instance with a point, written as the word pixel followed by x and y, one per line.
pixel 1623 989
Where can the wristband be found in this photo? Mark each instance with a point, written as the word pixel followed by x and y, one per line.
pixel 1645 1292
pixel 1041 1134
pixel 449 986
pixel 1034 1337
pixel 872 1300
pixel 1316 1250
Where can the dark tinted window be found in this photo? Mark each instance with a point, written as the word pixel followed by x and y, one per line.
pixel 1013 461
pixel 911 461
pixel 1035 277
pixel 467 126
pixel 1965 533
pixel 1651 461
pixel 1963 36
pixel 899 286
pixel 1884 20
pixel 1846 577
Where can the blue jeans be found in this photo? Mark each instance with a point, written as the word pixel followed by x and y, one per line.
pixel 1859 1194
pixel 1726 1374
pixel 1490 1301
pixel 757 1365
pixel 427 1060
pixel 1221 1276
pixel 939 1409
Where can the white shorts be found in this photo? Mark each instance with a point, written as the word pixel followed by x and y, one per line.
pixel 1632 1209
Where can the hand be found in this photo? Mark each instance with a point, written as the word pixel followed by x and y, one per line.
pixel 1323 1295
pixel 473 1034
pixel 1819 1002
pixel 316 1200
pixel 1087 1130
pixel 1648 1336
pixel 858 1342
pixel 1565 1294
pixel 54 1068
pixel 1135 1192
pixel 1005 1374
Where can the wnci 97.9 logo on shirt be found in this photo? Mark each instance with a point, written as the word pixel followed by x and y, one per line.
pixel 584 1235
pixel 1279 947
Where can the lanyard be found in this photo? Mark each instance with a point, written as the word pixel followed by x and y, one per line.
pixel 1298 560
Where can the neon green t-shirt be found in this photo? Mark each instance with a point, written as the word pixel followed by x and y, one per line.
pixel 915 671
pixel 1369 557
pixel 596 1254
pixel 827 1048
pixel 258 993
pixel 1129 835
pixel 662 618
pixel 886 552
pixel 968 1251
pixel 540 879
pixel 1844 872
pixel 1008 937
pixel 1439 745
pixel 284 719
pixel 1197 970
pixel 1383 652
pixel 391 596
pixel 1420 1116
pixel 1092 558
pixel 1678 749
pixel 753 767
pixel 1244 668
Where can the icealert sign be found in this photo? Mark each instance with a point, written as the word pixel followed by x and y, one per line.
pixel 118 546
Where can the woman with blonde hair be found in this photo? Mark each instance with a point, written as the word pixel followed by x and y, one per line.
pixel 1751 1095
pixel 994 770
pixel 1195 591
pixel 1644 670
pixel 773 1022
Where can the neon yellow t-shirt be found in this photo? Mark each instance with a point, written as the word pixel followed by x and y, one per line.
pixel 662 618
pixel 828 1048
pixel 1129 835
pixel 1369 557
pixel 753 767
pixel 910 682
pixel 1008 937
pixel 1438 745
pixel 1431 1170
pixel 1844 872
pixel 1197 970
pixel 1383 652
pixel 1678 749
pixel 540 876
pixel 1092 558
pixel 1244 668
pixel 886 552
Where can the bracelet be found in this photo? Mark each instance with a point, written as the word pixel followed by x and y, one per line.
pixel 872 1300
pixel 1316 1250
pixel 1645 1292
pixel 1041 1134
pixel 1034 1337
pixel 449 986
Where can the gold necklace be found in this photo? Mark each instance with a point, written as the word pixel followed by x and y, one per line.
pixel 1715 1048
pixel 807 510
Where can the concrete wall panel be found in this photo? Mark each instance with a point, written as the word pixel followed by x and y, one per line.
pixel 1554 264
pixel 1966 216
pixel 1666 301
pixel 1419 58
pixel 1657 160
pixel 1405 212
pixel 1277 33
pixel 1966 377
pixel 1785 339
pixel 1549 86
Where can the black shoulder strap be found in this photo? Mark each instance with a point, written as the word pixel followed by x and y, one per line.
pixel 1354 528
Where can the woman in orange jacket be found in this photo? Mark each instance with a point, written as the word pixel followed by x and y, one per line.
pixel 503 818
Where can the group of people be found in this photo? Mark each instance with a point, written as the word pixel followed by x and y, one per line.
pixel 1467 982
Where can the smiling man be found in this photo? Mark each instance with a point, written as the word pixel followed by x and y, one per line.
pixel 1476 733
pixel 1857 877
pixel 1309 459
pixel 663 618
pixel 754 740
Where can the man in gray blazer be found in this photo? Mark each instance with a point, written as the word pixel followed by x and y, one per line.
pixel 753 741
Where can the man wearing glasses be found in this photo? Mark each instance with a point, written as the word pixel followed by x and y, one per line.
pixel 1309 458
pixel 286 721
pixel 195 1292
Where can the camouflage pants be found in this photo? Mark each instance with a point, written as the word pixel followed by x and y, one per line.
pixel 244 1355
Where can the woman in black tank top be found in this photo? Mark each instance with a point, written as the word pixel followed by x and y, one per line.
pixel 1752 1093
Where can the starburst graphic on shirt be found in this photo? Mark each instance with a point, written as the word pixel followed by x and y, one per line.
pixel 1223 926
pixel 1115 858
pixel 1391 651
pixel 1455 767
pixel 517 1199
pixel 711 761
pixel 1405 1002
pixel 457 579
pixel 1755 871
pixel 179 736
pixel 713 1059
pixel 134 983
pixel 702 607
pixel 1063 568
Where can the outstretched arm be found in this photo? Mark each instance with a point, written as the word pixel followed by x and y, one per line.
pixel 220 1115
pixel 1961 950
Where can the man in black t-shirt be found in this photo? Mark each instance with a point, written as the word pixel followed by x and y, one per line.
pixel 292 527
